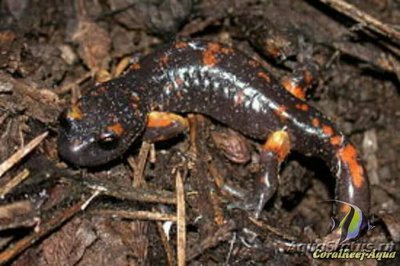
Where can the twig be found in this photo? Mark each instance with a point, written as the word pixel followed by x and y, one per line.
pixel 121 66
pixel 21 153
pixel 219 217
pixel 139 166
pixel 363 18
pixel 94 195
pixel 129 193
pixel 137 215
pixel 181 220
pixel 167 247
pixel 13 182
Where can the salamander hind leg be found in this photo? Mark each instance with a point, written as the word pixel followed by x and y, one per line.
pixel 273 153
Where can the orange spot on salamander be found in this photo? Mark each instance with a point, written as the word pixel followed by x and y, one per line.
pixel 328 130
pixel 163 120
pixel 158 119
pixel 164 60
pixel 135 66
pixel 336 140
pixel 116 128
pixel 181 45
pixel 210 54
pixel 304 107
pixel 278 143
pixel 349 156
pixel 298 92
pixel 315 122
pixel 75 113
pixel 264 76
pixel 281 112
pixel 292 87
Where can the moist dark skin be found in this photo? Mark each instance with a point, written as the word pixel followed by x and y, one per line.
pixel 218 81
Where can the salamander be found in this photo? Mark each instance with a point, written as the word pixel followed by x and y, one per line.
pixel 221 82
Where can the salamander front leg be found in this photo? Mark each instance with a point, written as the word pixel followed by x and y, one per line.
pixel 273 153
pixel 162 126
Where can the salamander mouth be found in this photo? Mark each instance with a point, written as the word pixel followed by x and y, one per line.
pixel 75 151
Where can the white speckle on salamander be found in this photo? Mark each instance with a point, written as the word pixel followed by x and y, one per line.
pixel 206 83
pixel 195 46
pixel 256 104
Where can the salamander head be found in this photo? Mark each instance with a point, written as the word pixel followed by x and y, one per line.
pixel 101 125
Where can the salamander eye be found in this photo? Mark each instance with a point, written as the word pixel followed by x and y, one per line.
pixel 108 140
pixel 64 120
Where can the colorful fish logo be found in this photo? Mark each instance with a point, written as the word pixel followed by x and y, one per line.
pixel 353 224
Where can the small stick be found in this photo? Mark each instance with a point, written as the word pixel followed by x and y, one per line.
pixel 122 192
pixel 139 182
pixel 129 193
pixel 137 215
pixel 138 179
pixel 219 217
pixel 167 247
pixel 181 220
pixel 121 66
pixel 21 153
pixel 363 18
pixel 94 195
pixel 13 182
